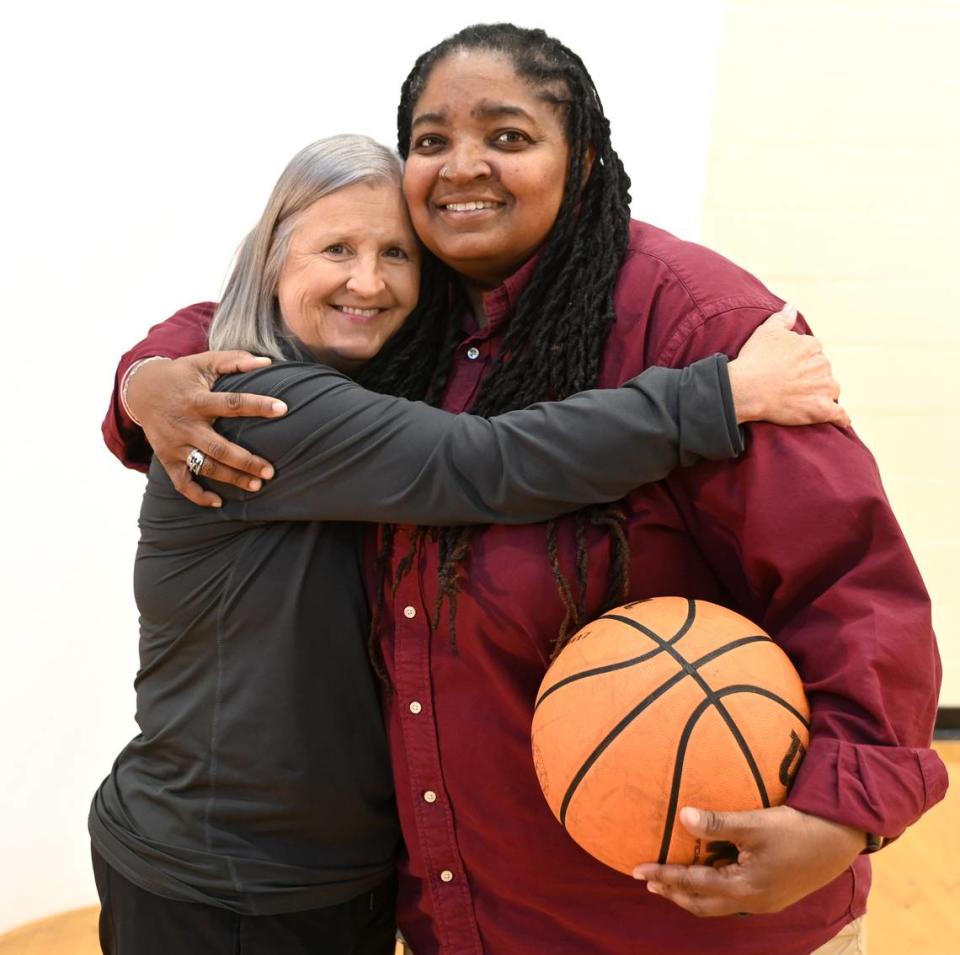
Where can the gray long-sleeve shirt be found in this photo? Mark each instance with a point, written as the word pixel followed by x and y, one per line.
pixel 260 780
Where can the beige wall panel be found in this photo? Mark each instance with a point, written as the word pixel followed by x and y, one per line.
pixel 896 440
pixel 907 381
pixel 833 175
pixel 907 314
pixel 891 179
pixel 862 73
pixel 835 244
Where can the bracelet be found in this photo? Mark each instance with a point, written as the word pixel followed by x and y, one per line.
pixel 130 372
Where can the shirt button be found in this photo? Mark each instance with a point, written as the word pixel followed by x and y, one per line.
pixel 409 612
pixel 416 707
pixel 446 876
pixel 429 796
pixel 473 353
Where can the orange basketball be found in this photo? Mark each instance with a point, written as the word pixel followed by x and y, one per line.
pixel 661 704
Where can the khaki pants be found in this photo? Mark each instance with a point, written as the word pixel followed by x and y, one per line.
pixel 852 940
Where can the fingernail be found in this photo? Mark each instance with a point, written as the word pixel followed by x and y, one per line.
pixel 255 484
pixel 267 472
pixel 217 504
pixel 278 407
pixel 655 888
pixel 789 309
pixel 639 875
pixel 690 816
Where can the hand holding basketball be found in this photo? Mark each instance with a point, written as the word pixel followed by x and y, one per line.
pixel 782 856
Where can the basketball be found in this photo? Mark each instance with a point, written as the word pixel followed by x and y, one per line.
pixel 660 704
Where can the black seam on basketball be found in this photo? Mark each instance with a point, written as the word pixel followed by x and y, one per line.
pixel 685 664
pixel 609 668
pixel 638 709
pixel 687 624
pixel 712 699
pixel 671 814
pixel 612 667
pixel 711 695
pixel 701 708
pixel 770 695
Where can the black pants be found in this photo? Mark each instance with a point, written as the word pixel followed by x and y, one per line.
pixel 136 922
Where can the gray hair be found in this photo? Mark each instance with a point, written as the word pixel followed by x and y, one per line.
pixel 248 316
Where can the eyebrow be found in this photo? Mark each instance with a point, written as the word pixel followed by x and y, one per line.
pixel 488 110
pixel 434 119
pixel 483 110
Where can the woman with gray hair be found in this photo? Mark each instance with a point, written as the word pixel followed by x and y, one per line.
pixel 254 811
pixel 249 316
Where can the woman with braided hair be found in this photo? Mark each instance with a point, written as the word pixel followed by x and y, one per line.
pixel 512 181
pixel 514 188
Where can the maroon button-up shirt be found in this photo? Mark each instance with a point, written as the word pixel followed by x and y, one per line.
pixel 797 535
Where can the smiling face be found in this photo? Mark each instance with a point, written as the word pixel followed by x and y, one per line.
pixel 488 159
pixel 351 275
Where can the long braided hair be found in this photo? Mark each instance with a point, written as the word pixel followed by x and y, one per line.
pixel 556 337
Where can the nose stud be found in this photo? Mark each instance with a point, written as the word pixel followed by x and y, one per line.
pixel 445 173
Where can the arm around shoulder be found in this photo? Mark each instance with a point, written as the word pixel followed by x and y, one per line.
pixel 344 453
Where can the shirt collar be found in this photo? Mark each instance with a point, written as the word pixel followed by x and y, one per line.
pixel 500 303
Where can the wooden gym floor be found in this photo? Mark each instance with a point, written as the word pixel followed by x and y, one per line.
pixel 914 905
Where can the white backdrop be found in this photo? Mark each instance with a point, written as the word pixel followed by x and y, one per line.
pixel 140 145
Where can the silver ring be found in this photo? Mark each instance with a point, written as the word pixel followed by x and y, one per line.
pixel 195 460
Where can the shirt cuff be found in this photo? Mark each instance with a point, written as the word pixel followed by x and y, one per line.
pixel 879 789
pixel 707 415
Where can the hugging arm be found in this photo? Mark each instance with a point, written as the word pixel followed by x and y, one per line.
pixel 345 453
pixel 778 376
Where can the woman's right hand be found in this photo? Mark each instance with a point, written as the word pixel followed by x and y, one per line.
pixel 174 405
pixel 784 378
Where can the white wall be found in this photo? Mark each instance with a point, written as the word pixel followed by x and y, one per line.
pixel 835 180
pixel 140 144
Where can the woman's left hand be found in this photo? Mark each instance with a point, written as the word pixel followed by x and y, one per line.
pixel 782 856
